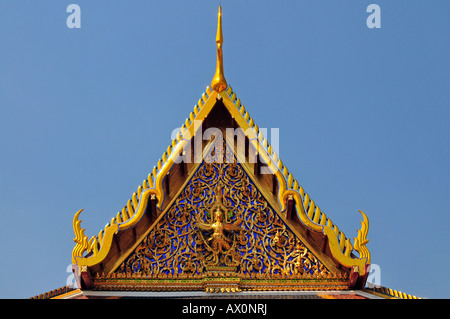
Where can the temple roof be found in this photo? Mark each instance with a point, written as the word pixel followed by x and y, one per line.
pixel 301 243
pixel 220 212
pixel 207 221
pixel 289 199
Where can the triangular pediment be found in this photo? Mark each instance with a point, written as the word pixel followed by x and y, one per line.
pixel 287 231
pixel 219 226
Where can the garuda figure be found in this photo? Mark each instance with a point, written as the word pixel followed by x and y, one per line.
pixel 220 243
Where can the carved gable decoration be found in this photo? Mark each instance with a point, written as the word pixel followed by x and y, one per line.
pixel 233 219
pixel 220 233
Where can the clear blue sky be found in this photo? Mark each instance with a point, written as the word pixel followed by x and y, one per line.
pixel 363 117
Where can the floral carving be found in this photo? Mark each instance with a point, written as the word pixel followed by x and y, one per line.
pixel 221 219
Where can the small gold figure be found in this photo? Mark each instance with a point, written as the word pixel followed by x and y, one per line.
pixel 219 243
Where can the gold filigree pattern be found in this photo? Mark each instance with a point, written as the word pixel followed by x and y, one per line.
pixel 252 240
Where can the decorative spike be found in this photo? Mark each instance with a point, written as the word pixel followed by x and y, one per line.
pixel 285 171
pixel 323 219
pixel 113 221
pixel 238 103
pixel 139 192
pixel 295 185
pixel 341 241
pixel 178 137
pixel 144 185
pixel 204 97
pixel 336 230
pixel 218 82
pixel 302 191
pixel 154 172
pixel 316 215
pixel 329 223
pixel 208 91
pixel 93 245
pixel 200 103
pixel 348 247
pixel 274 156
pixel 290 180
pixel 280 164
pixel 183 129
pixel 100 237
pixel 150 181
pixel 311 209
pixel 269 150
pixel 242 110
pixel 265 143
pixel 192 117
pixel 125 214
pixel 160 163
pixel 260 136
pixel 251 123
pixel 187 123
pixel 256 129
pixel 306 201
pixel 233 96
pixel 229 90
pixel 196 110
pixel 118 218
pixel 246 116
pixel 164 157
pixel 169 150
pixel 135 201
pixel 130 208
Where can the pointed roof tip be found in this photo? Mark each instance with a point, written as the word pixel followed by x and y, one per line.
pixel 219 37
pixel 218 82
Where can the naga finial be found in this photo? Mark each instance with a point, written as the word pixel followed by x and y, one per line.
pixel 80 239
pixel 361 240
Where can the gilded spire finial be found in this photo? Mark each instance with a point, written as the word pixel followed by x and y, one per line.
pixel 218 82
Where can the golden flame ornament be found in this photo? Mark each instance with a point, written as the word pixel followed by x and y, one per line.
pixel 218 82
